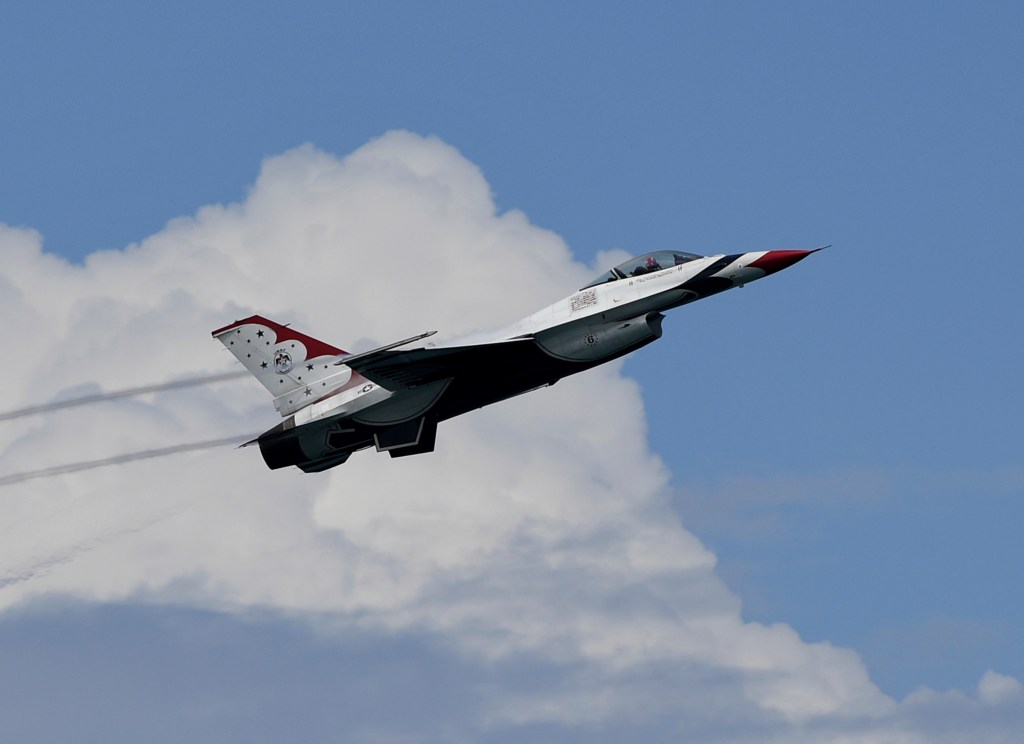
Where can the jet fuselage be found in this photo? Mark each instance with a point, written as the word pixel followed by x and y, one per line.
pixel 393 399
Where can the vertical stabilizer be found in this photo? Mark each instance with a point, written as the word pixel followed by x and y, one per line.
pixel 297 369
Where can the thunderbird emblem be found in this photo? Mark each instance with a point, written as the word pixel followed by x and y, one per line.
pixel 282 362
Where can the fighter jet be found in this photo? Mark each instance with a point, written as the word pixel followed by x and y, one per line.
pixel 393 398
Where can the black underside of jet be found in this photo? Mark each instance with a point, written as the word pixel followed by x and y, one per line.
pixel 478 376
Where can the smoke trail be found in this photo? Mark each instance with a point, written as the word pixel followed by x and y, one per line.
pixel 74 467
pixel 126 393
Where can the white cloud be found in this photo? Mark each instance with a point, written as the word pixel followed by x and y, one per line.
pixel 995 688
pixel 540 528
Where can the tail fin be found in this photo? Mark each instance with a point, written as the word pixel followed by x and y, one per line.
pixel 295 368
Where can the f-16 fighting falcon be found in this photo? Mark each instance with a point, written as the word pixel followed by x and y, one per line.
pixel 392 399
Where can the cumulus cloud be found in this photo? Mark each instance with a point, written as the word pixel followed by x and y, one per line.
pixel 995 688
pixel 540 529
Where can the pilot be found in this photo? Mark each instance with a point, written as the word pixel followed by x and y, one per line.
pixel 652 264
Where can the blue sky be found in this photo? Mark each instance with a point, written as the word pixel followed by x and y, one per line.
pixel 846 437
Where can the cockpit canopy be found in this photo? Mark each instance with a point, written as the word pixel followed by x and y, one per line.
pixel 645 264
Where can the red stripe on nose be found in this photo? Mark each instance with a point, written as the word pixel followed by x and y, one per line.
pixel 773 261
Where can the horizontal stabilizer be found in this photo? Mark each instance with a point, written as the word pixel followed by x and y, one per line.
pixel 363 356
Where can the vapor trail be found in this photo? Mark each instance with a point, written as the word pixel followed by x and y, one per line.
pixel 126 393
pixel 74 467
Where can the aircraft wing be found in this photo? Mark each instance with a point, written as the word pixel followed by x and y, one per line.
pixel 397 369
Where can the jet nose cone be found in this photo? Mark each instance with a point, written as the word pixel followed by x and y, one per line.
pixel 773 261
